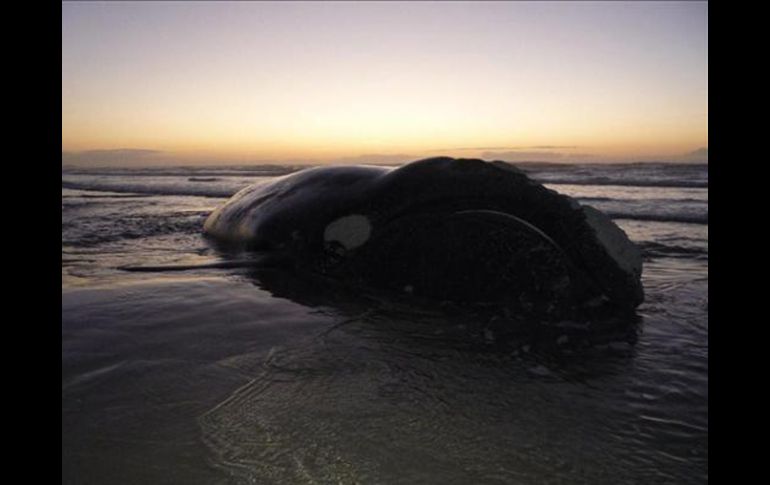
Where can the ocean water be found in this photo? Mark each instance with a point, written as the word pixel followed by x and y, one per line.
pixel 236 375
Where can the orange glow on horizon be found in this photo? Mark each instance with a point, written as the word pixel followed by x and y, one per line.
pixel 319 82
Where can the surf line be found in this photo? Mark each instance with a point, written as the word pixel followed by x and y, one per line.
pixel 238 263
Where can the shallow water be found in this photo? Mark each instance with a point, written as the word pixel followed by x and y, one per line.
pixel 236 376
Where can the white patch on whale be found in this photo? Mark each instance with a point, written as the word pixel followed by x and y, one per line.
pixel 351 231
pixel 625 253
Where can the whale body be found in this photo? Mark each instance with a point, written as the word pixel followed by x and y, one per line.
pixel 440 228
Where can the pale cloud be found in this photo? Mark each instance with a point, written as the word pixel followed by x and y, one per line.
pixel 374 159
pixel 700 155
pixel 519 156
pixel 540 156
pixel 512 148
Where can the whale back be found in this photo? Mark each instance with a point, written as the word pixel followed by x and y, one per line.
pixel 365 221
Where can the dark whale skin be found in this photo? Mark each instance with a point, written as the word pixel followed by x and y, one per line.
pixel 445 228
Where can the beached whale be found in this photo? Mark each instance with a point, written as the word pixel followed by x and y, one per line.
pixel 461 230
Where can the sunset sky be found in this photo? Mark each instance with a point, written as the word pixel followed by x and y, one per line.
pixel 351 82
